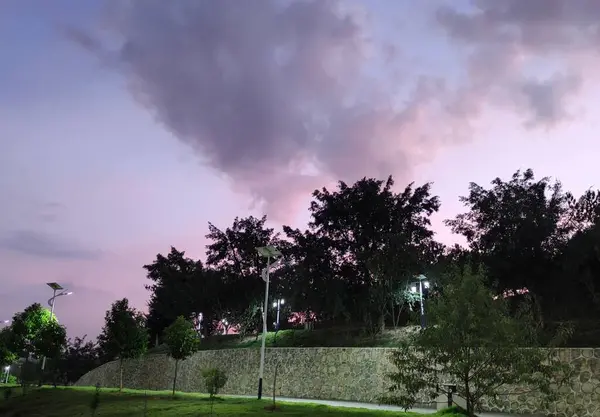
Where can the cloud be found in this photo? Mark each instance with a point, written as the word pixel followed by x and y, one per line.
pixel 267 91
pixel 284 95
pixel 44 245
pixel 51 212
pixel 507 41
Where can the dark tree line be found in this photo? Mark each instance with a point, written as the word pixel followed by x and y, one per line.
pixel 365 244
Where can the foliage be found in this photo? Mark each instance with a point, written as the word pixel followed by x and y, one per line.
pixel 474 342
pixel 27 327
pixel 365 243
pixel 80 357
pixel 124 334
pixel 214 380
pixel 517 229
pixel 174 277
pixel 182 341
pixel 51 341
pixel 7 353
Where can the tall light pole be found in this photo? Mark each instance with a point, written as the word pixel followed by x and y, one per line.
pixel 266 252
pixel 51 302
pixel 7 370
pixel 277 304
pixel 422 283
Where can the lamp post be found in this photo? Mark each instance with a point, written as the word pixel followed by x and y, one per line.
pixel 51 302
pixel 266 252
pixel 422 283
pixel 277 304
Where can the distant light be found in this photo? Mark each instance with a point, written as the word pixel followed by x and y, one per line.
pixel 413 289
pixel 282 301
pixel 7 368
pixel 275 304
pixel 426 283
pixel 6 321
pixel 69 293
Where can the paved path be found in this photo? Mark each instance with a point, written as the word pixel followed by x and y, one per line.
pixel 369 406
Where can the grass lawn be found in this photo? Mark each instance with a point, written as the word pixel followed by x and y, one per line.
pixel 71 402
pixel 333 337
pixel 586 334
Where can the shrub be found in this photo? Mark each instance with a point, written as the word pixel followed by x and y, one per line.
pixel 214 380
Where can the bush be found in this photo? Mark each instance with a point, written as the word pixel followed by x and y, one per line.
pixel 214 380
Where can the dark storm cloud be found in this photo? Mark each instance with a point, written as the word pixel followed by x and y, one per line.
pixel 503 37
pixel 39 244
pixel 262 90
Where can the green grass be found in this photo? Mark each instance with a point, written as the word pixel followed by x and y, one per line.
pixel 586 334
pixel 334 337
pixel 71 402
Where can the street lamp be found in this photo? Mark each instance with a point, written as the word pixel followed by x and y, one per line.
pixel 52 301
pixel 277 304
pixel 224 323
pixel 7 370
pixel 422 283
pixel 266 252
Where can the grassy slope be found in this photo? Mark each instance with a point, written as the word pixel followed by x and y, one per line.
pixel 71 402
pixel 335 337
pixel 587 334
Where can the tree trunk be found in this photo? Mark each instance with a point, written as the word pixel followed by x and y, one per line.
pixel 120 374
pixel 382 322
pixel 175 376
pixel 468 399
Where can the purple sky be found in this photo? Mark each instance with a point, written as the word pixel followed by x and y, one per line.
pixel 126 126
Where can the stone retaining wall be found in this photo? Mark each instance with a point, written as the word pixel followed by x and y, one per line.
pixel 350 374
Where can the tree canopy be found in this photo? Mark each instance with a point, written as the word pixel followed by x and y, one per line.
pixel 365 244
pixel 474 342
pixel 124 335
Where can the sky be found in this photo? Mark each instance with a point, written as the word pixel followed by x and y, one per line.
pixel 126 126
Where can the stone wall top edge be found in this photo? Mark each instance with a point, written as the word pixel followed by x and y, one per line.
pixel 299 348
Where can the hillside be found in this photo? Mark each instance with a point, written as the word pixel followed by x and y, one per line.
pixel 585 334
pixel 333 337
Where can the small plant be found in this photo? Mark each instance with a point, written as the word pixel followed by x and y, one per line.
pixel 95 400
pixel 214 380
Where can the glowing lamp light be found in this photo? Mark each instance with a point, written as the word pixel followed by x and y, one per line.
pixel 413 289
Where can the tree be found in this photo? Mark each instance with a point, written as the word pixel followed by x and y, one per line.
pixel 80 357
pixel 232 254
pixel 7 354
pixel 124 335
pixel 182 341
pixel 362 221
pixel 177 288
pixel 473 341
pixel 50 343
pixel 27 327
pixel 516 229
